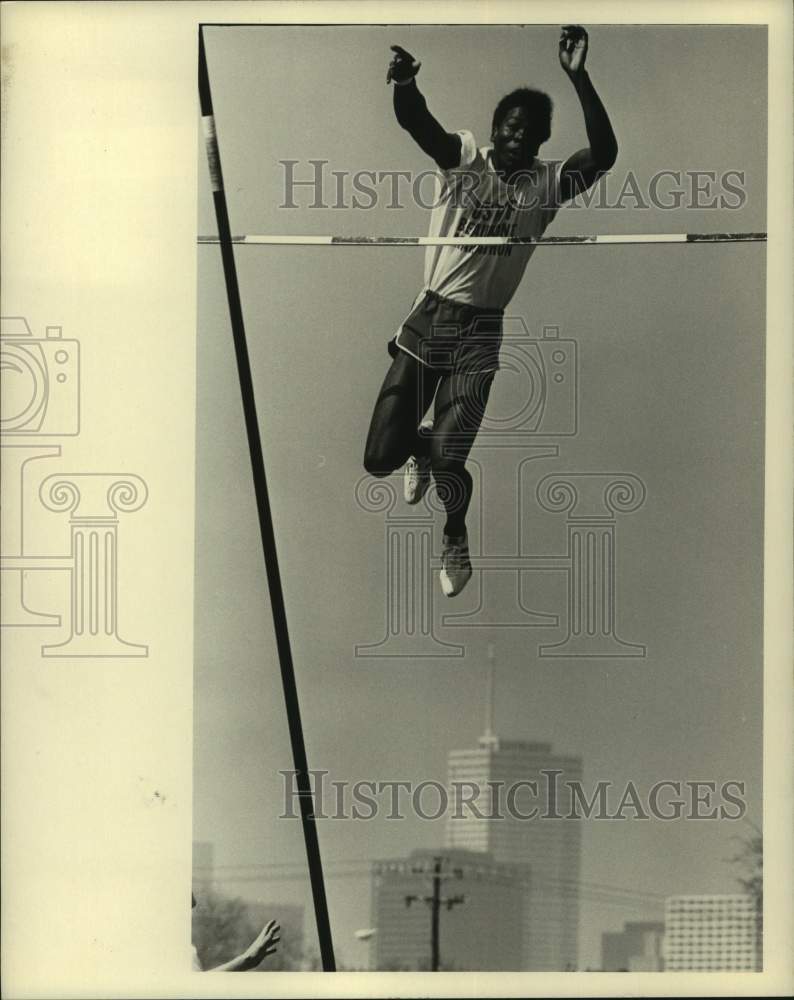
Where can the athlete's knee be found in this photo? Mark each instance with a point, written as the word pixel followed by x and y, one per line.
pixel 380 462
pixel 377 469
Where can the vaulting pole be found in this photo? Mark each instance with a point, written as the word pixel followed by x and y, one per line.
pixel 265 520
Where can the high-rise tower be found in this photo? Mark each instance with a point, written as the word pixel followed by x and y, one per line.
pixel 510 798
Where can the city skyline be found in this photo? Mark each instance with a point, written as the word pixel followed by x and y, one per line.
pixel 718 932
pixel 459 836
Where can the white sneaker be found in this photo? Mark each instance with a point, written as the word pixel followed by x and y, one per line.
pixel 417 479
pixel 455 564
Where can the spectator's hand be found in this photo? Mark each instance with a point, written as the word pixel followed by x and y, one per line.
pixel 266 944
pixel 573 49
pixel 403 67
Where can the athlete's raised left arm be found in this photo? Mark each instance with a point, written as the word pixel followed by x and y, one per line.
pixel 584 168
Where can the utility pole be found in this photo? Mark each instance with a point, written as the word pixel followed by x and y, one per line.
pixel 435 902
pixel 435 915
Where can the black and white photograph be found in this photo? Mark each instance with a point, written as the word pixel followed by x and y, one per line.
pixel 502 296
pixel 396 499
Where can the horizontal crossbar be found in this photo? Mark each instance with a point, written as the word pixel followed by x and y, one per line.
pixel 448 241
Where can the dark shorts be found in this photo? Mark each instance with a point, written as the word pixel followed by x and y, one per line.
pixel 451 336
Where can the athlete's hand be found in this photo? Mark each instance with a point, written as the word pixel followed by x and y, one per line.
pixel 403 67
pixel 573 49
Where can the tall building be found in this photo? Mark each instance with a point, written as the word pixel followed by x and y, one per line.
pixel 483 930
pixel 639 947
pixel 546 847
pixel 712 934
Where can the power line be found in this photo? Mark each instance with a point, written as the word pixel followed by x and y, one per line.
pixel 583 894
pixel 364 867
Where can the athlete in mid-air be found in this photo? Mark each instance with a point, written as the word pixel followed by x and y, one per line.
pixel 447 349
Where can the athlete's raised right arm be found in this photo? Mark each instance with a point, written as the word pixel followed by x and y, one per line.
pixel 411 110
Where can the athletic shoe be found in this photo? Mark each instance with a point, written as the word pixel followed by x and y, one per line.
pixel 455 564
pixel 417 479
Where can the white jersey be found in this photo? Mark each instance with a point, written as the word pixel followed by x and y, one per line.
pixel 474 201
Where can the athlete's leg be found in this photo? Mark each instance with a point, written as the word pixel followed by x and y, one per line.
pixel 402 402
pixel 460 406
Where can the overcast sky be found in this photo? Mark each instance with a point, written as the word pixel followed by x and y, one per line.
pixel 670 343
